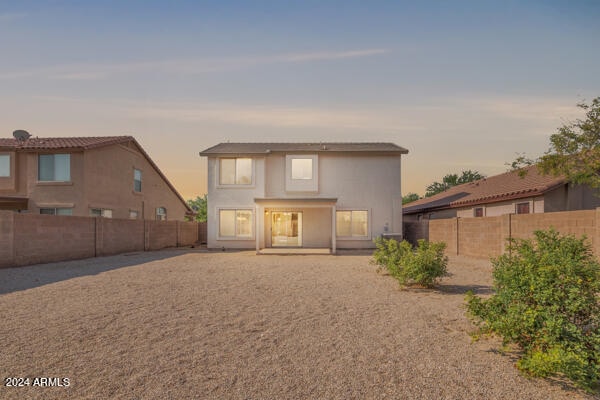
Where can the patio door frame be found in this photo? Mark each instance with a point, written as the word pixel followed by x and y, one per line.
pixel 300 228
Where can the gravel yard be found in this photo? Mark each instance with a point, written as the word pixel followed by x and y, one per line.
pixel 185 324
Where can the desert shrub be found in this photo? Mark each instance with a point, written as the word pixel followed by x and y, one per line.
pixel 546 301
pixel 423 265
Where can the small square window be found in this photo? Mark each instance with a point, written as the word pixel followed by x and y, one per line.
pixel 161 214
pixel 478 212
pixel 133 214
pixel 522 208
pixel 302 168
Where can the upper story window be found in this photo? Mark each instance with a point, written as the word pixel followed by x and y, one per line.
pixel 54 167
pixel 302 168
pixel 478 212
pixel 137 180
pixel 235 171
pixel 161 214
pixel 301 172
pixel 4 165
pixel 522 208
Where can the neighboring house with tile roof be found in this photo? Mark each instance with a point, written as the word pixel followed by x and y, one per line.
pixel 507 193
pixel 295 195
pixel 86 176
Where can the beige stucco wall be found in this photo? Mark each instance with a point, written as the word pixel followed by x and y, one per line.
pixel 109 184
pixel 536 205
pixel 358 181
pixel 100 178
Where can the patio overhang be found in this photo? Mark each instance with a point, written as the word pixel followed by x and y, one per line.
pixel 264 204
pixel 295 202
pixel 14 203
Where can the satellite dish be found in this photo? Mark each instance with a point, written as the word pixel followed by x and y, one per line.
pixel 21 135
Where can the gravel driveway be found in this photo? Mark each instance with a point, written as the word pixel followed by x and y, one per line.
pixel 179 324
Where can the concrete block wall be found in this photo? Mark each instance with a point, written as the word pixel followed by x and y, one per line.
pixel 476 237
pixel 187 233
pixel 445 230
pixel 486 237
pixel 7 236
pixel 161 234
pixel 47 238
pixel 414 230
pixel 117 236
pixel 32 238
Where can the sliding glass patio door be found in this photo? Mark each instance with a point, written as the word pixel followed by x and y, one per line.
pixel 286 229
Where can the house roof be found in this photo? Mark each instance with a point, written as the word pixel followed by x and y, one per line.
pixel 80 144
pixel 265 148
pixel 57 143
pixel 506 186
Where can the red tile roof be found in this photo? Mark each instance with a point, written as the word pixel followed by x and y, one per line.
pixel 82 143
pixel 506 186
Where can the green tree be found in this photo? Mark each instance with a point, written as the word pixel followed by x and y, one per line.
pixel 452 180
pixel 574 150
pixel 199 205
pixel 410 197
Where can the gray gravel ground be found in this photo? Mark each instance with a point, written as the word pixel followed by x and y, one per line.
pixel 179 324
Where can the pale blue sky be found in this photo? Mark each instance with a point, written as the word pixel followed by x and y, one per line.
pixel 461 84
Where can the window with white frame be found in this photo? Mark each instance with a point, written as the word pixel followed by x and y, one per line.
pixel 301 173
pixel 56 211
pixel 235 171
pixel 137 180
pixel 101 212
pixel 352 223
pixel 302 168
pixel 133 214
pixel 54 167
pixel 4 165
pixel 161 214
pixel 235 223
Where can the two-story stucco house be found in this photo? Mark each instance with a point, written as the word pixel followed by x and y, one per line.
pixel 310 195
pixel 111 177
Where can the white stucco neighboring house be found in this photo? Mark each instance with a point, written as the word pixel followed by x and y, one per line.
pixel 303 195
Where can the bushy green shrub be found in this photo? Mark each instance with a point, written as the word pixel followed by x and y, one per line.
pixel 547 301
pixel 423 265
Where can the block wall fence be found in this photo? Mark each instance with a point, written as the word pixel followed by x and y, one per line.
pixel 486 237
pixel 31 238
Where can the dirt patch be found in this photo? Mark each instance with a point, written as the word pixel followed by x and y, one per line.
pixel 183 324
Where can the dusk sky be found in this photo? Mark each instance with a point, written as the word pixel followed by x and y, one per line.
pixel 460 84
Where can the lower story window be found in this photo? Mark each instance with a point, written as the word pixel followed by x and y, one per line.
pixel 235 223
pixel 56 211
pixel 101 212
pixel 353 223
pixel 161 214
pixel 522 208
